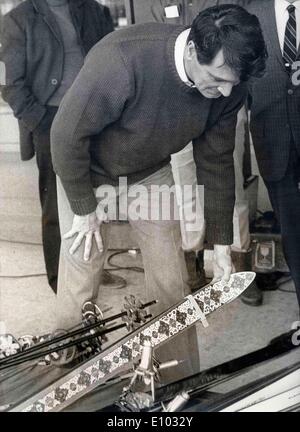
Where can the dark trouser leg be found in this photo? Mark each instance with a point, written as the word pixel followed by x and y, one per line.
pixel 285 199
pixel 252 296
pixel 195 267
pixel 48 199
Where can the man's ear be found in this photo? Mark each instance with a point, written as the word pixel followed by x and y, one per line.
pixel 190 50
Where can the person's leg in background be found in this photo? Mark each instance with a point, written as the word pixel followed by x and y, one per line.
pixel 241 252
pixel 191 215
pixel 285 198
pixel 165 269
pixel 48 199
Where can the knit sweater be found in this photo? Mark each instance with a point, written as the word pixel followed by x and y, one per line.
pixel 128 111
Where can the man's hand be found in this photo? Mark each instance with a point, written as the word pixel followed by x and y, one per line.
pixel 222 263
pixel 87 226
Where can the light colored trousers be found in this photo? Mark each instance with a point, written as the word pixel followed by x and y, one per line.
pixel 163 260
pixel 184 172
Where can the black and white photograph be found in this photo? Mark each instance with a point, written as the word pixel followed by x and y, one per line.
pixel 149 208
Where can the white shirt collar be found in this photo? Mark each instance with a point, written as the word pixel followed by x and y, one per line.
pixel 180 44
pixel 282 5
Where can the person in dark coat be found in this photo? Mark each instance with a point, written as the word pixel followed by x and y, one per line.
pixel 43 46
pixel 275 121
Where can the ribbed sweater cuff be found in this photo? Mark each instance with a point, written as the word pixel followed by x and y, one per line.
pixel 83 206
pixel 221 233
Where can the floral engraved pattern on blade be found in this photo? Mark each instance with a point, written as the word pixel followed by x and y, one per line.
pixel 166 326
pixel 170 324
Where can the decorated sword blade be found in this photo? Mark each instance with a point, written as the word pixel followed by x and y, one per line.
pixel 122 354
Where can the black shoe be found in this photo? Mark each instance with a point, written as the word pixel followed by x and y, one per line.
pixel 200 269
pixel 252 296
pixel 112 281
pixel 195 269
pixel 271 281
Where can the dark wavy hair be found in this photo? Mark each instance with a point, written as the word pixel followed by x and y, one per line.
pixel 237 32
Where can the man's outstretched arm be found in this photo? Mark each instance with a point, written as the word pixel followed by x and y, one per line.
pixel 213 153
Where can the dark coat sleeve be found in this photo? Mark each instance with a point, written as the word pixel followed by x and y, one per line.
pixel 16 92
